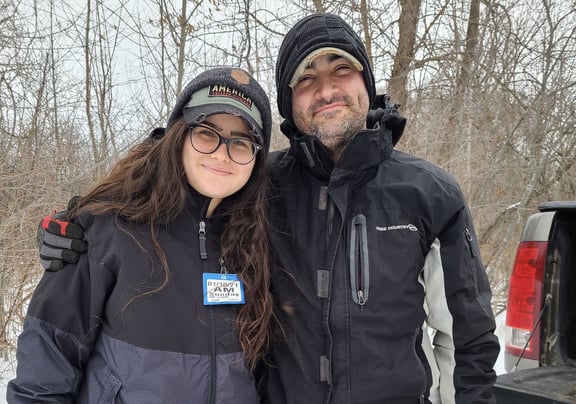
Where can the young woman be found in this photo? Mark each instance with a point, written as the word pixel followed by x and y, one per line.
pixel 171 304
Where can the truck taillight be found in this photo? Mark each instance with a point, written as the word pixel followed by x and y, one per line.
pixel 525 299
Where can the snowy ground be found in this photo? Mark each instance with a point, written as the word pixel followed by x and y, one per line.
pixel 500 332
pixel 7 371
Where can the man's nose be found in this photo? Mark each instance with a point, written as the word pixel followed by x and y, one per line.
pixel 326 87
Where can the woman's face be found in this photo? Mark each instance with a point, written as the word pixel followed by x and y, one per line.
pixel 215 175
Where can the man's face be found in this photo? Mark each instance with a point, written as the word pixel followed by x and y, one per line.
pixel 330 101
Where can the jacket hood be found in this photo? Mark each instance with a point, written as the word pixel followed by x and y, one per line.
pixel 309 35
pixel 386 114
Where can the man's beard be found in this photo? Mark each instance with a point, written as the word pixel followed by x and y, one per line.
pixel 336 134
pixel 335 129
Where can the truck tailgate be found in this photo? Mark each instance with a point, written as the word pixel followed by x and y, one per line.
pixel 544 385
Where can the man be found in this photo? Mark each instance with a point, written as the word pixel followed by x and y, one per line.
pixel 370 245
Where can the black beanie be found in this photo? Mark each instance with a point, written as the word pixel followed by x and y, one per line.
pixel 225 90
pixel 307 35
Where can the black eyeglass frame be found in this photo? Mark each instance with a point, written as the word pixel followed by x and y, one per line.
pixel 226 140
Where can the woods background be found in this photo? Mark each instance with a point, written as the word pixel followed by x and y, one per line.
pixel 488 88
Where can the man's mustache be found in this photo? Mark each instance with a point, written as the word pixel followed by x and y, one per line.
pixel 323 102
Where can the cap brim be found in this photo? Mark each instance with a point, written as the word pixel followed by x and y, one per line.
pixel 199 113
pixel 307 61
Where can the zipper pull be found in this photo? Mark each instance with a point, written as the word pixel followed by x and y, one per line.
pixel 361 300
pixel 469 239
pixel 202 239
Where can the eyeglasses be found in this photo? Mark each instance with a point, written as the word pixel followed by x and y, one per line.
pixel 207 140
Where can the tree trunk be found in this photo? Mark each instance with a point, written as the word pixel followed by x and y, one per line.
pixel 408 24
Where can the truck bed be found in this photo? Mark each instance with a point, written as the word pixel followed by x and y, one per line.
pixel 545 372
pixel 544 385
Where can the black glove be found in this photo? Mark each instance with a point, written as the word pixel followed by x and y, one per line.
pixel 60 242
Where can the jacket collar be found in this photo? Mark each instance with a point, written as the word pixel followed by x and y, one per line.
pixel 197 204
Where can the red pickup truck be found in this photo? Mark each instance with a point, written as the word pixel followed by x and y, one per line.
pixel 540 346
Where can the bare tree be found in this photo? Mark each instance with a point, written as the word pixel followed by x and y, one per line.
pixel 405 53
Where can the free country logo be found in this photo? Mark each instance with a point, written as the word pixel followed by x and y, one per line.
pixel 396 227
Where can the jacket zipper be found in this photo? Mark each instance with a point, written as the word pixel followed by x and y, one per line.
pixel 202 239
pixel 325 358
pixel 204 257
pixel 468 237
pixel 359 264
pixel 212 398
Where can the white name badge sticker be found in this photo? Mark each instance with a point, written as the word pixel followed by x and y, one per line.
pixel 222 289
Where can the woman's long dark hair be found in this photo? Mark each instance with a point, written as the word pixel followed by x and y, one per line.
pixel 149 185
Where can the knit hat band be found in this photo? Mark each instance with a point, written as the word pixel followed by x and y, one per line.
pixel 220 98
pixel 307 62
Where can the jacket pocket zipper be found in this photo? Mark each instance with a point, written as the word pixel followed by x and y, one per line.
pixel 469 240
pixel 359 264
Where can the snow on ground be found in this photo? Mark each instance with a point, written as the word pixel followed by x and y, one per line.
pixel 500 333
pixel 6 373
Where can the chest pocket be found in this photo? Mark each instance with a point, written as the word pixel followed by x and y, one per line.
pixel 359 263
